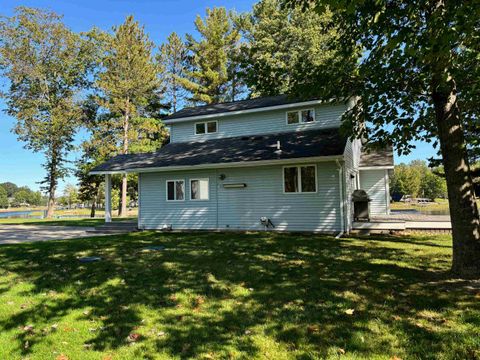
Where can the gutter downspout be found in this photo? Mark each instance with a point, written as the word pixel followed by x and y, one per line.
pixel 342 201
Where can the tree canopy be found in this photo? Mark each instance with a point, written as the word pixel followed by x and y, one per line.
pixel 285 47
pixel 416 79
pixel 130 90
pixel 207 78
pixel 173 59
pixel 47 66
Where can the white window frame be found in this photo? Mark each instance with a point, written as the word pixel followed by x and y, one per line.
pixel 175 193
pixel 299 169
pixel 299 113
pixel 206 127
pixel 208 188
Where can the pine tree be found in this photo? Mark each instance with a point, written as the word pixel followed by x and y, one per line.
pixel 207 78
pixel 48 67
pixel 173 59
pixel 129 82
pixel 284 45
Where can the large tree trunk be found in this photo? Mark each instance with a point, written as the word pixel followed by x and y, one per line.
pixel 51 203
pixel 123 208
pixel 463 208
pixel 51 180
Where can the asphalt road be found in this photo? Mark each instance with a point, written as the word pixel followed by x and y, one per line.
pixel 15 234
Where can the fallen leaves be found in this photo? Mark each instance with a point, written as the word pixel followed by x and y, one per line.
pixel 133 337
pixel 28 328
pixel 62 357
pixel 313 329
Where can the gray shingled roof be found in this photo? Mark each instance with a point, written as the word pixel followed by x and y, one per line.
pixel 312 143
pixel 377 157
pixel 234 106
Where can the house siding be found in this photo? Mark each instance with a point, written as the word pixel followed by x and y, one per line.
pixel 375 183
pixel 326 116
pixel 187 214
pixel 352 159
pixel 242 208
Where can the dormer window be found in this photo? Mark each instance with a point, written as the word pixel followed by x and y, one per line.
pixel 206 127
pixel 300 116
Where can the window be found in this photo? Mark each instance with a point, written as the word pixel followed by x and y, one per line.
pixel 292 117
pixel 300 179
pixel 207 127
pixel 175 190
pixel 308 116
pixel 300 116
pixel 199 189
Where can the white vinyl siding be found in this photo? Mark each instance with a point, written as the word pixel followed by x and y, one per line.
pixel 242 207
pixel 375 183
pixel 267 122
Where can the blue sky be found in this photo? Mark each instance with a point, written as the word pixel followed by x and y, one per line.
pixel 160 18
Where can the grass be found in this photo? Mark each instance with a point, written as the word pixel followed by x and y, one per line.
pixel 80 222
pixel 236 296
pixel 439 205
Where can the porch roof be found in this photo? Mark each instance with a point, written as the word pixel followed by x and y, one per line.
pixel 245 150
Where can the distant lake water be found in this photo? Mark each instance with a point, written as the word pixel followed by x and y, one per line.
pixel 20 214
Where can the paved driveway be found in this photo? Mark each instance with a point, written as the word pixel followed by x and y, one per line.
pixel 14 234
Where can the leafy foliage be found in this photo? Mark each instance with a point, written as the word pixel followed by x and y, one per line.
pixel 417 180
pixel 416 79
pixel 47 66
pixel 285 47
pixel 25 196
pixel 10 187
pixel 3 198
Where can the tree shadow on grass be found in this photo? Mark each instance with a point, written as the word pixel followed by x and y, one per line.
pixel 221 293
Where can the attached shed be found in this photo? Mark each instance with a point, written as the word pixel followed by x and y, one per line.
pixel 375 169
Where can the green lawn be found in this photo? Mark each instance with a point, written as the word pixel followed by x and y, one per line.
pixel 231 296
pixel 83 222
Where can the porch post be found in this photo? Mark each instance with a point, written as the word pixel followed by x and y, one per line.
pixel 108 198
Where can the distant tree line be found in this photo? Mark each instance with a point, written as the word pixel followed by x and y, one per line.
pixel 12 195
pixel 418 180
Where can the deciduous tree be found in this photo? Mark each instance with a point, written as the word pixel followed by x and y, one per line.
pixel 417 79
pixel 3 198
pixel 47 66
